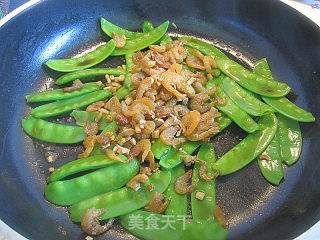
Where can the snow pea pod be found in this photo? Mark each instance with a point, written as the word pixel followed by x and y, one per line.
pixel 281 105
pixel 174 157
pixel 59 94
pixel 88 60
pixel 180 227
pixel 92 72
pixel 109 27
pixel 203 47
pixel 252 81
pixel 147 26
pixel 166 39
pixel 122 93
pixel 290 139
pixel 179 203
pixel 159 148
pixel 101 181
pixel 67 105
pixel 232 110
pixel 145 40
pixel 250 147
pixel 243 98
pixel 271 168
pixel 203 209
pixel 52 132
pixel 82 117
pixel 80 165
pixel 124 200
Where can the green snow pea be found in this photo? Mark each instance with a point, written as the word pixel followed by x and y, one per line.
pixel 272 169
pixel 67 105
pixel 109 27
pixel 289 109
pixel 203 209
pixel 59 94
pixel 243 98
pixel 100 181
pixel 203 47
pixel 52 132
pixel 145 40
pixel 180 227
pixel 159 148
pixel 174 157
pixel 82 117
pixel 290 139
pixel 179 203
pixel 252 81
pixel 232 110
pixel 281 105
pixel 86 61
pixel 124 200
pixel 127 85
pixel 250 147
pixel 147 26
pixel 80 165
pixel 86 73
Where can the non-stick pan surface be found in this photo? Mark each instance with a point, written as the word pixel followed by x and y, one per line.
pixel 248 30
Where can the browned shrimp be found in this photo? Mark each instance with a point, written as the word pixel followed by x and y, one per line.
pixel 90 222
pixel 134 183
pixel 156 204
pixel 181 186
pixel 204 175
pixel 199 102
pixel 142 147
pixel 168 136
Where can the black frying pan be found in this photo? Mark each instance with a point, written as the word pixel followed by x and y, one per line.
pixel 247 29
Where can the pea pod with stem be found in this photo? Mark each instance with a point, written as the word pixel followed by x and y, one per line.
pixel 58 94
pixel 145 40
pixel 203 209
pixel 88 60
pixel 232 110
pixel 122 201
pixel 179 203
pixel 180 227
pixel 82 117
pixel 108 27
pixel 250 147
pixel 251 81
pixel 87 73
pixel 290 139
pixel 271 168
pixel 281 105
pixel 52 132
pixel 80 165
pixel 74 190
pixel 67 105
pixel 243 98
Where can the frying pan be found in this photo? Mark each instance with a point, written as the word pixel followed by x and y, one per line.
pixel 246 30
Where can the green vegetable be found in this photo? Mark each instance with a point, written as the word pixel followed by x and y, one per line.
pixel 124 200
pixel 250 147
pixel 281 105
pixel 203 209
pixel 166 39
pixel 86 73
pixel 179 203
pixel 180 227
pixel 272 169
pixel 86 61
pixel 109 27
pixel 159 148
pixel 59 94
pixel 147 26
pixel 243 98
pixel 80 165
pixel 290 139
pixel 174 157
pixel 101 181
pixel 232 110
pixel 52 132
pixel 82 117
pixel 67 105
pixel 145 40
